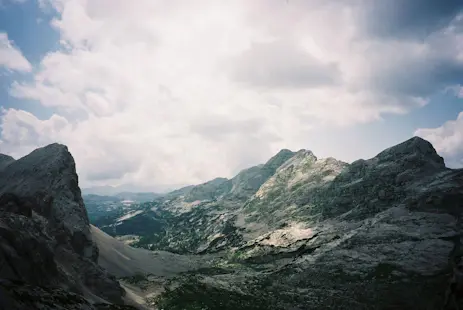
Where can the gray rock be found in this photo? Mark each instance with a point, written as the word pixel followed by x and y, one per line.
pixel 17 295
pixel 323 234
pixel 45 238
pixel 5 160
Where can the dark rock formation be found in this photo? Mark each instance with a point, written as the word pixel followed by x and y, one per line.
pixel 17 295
pixel 45 239
pixel 5 160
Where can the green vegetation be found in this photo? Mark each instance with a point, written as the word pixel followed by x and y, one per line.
pixel 195 295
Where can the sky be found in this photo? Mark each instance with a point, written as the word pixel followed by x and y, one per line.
pixel 158 94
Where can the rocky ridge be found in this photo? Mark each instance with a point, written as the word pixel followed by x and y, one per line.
pixel 46 247
pixel 322 234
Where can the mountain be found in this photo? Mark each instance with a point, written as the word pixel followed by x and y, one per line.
pixel 5 160
pixel 100 208
pixel 137 197
pixel 248 181
pixel 118 190
pixel 239 188
pixel 211 203
pixel 297 232
pixel 301 232
pixel 124 261
pixel 48 258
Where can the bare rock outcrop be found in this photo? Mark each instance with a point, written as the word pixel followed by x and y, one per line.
pixel 45 239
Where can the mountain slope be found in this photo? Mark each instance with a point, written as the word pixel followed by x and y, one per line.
pixel 323 234
pixel 307 189
pixel 280 198
pixel 122 260
pixel 5 160
pixel 45 238
pixel 171 222
pixel 376 234
pixel 239 188
pixel 248 181
pixel 289 188
pixel 208 191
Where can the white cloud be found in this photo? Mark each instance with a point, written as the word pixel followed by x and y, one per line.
pixel 447 139
pixel 170 92
pixel 282 64
pixel 457 90
pixel 11 57
pixel 21 130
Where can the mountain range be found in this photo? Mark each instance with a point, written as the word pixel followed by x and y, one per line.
pixel 126 189
pixel 297 232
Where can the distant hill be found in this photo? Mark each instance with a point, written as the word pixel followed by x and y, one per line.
pixel 113 190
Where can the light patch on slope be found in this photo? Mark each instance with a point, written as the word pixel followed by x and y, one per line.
pixel 184 207
pixel 286 236
pixel 303 168
pixel 129 215
pixel 195 203
pixel 128 239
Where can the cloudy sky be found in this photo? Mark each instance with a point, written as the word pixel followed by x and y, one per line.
pixel 161 93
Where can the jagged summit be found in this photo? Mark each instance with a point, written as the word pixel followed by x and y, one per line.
pixel 45 236
pixel 305 152
pixel 301 157
pixel 248 181
pixel 48 177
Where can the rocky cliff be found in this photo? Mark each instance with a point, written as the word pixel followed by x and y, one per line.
pixel 5 160
pixel 47 257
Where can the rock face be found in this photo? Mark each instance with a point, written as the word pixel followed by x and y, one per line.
pixel 309 233
pixel 196 219
pixel 45 239
pixel 248 181
pixel 5 160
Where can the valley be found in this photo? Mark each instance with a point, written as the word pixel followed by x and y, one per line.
pixel 296 232
pixel 231 155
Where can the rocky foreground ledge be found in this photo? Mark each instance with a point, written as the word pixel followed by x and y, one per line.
pixel 47 257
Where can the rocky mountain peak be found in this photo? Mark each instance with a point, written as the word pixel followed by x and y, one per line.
pixel 305 152
pixel 48 177
pixel 415 148
pixel 5 160
pixel 300 157
pixel 45 236
pixel 277 160
pixel 376 233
